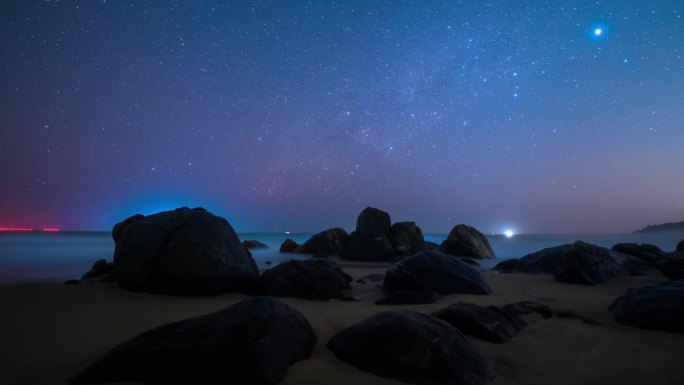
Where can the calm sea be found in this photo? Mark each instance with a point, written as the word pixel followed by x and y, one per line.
pixel 55 257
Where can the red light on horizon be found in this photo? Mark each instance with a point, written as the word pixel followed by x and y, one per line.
pixel 29 229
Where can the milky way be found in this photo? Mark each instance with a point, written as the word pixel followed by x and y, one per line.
pixel 542 117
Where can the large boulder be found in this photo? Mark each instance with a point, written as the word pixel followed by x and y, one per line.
pixel 331 241
pixel 119 227
pixel 680 245
pixel 588 264
pixel 655 306
pixel 252 342
pixel 289 246
pixel 183 252
pixel 412 347
pixel 545 261
pixel 310 279
pixel 488 323
pixel 372 220
pixel 436 271
pixel 373 246
pixel 466 241
pixel 406 238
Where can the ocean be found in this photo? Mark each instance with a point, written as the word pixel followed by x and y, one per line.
pixel 60 256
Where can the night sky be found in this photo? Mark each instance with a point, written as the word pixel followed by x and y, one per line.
pixel 540 116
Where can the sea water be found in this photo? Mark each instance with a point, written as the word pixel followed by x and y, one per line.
pixel 55 257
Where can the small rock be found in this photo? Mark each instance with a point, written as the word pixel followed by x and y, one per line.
pixel 310 279
pixel 254 244
pixel 289 246
pixel 466 241
pixel 488 323
pixel 528 307
pixel 409 297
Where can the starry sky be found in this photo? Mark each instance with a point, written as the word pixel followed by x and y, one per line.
pixel 539 116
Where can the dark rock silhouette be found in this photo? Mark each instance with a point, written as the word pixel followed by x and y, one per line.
pixel 311 279
pixel 488 323
pixel 409 297
pixel 656 306
pixel 412 347
pixel 434 270
pixel 372 246
pixel 252 342
pixel 330 241
pixel 101 270
pixel 406 238
pixel 528 307
pixel 431 245
pixel 466 241
pixel 372 220
pixel 545 261
pixel 588 264
pixel 289 246
pixel 650 254
pixel 680 245
pixel 254 244
pixel 182 252
pixel 119 227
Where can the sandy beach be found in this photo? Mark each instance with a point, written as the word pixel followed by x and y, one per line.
pixel 51 331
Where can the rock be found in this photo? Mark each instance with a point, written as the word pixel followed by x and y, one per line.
pixel 409 297
pixel 411 347
pixel 572 314
pixel 183 252
pixel 588 264
pixel 121 226
pixel 100 268
pixel 372 246
pixel 254 244
pixel 655 306
pixel 330 241
pixel 673 267
pixel 545 261
pixel 466 241
pixel 372 220
pixel 434 270
pixel 487 323
pixel 651 254
pixel 371 278
pixel 406 238
pixel 73 282
pixel 252 342
pixel 310 279
pixel 289 246
pixel 680 245
pixel 528 307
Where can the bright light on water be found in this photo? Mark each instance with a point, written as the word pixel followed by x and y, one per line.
pixel 598 32
pixel 509 233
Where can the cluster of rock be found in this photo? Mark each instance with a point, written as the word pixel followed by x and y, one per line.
pixel 580 263
pixel 377 239
pixel 101 271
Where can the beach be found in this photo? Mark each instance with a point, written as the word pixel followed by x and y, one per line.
pixel 49 332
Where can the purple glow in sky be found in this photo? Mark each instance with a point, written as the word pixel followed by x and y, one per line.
pixel 297 115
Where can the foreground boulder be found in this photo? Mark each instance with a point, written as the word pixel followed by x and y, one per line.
pixel 436 271
pixel 182 252
pixel 102 271
pixel 289 246
pixel 310 279
pixel 373 246
pixel 466 241
pixel 488 323
pixel 252 342
pixel 588 264
pixel 411 347
pixel 372 220
pixel 680 245
pixel 406 238
pixel 331 241
pixel 656 306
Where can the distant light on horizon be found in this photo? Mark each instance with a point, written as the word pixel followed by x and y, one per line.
pixel 29 229
pixel 509 233
pixel 598 31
